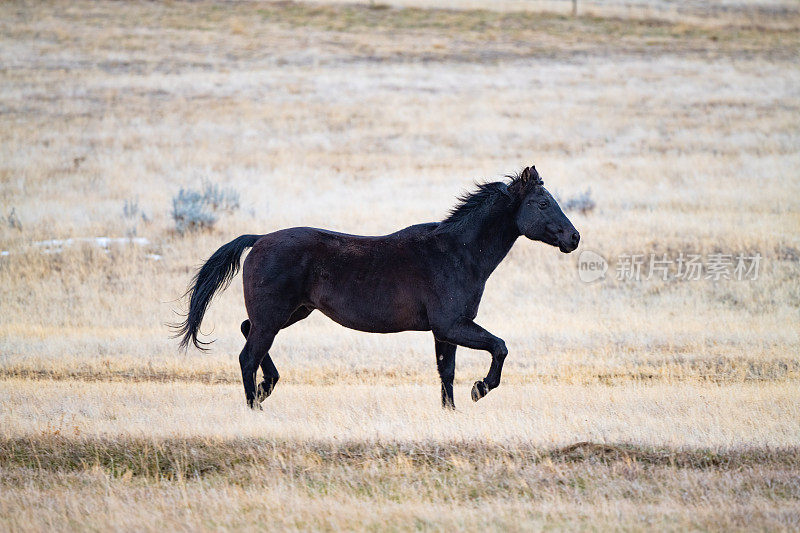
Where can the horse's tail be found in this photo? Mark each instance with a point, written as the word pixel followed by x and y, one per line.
pixel 214 275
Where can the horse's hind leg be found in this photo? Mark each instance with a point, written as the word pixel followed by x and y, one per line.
pixel 271 378
pixel 259 341
pixel 271 375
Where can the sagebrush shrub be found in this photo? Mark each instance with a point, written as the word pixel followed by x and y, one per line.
pixel 194 210
pixel 583 202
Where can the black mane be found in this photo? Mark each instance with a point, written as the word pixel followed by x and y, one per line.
pixel 481 201
pixel 475 204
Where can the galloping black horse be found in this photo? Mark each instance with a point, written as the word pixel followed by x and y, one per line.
pixel 427 277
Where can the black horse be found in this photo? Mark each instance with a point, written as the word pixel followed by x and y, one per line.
pixel 427 277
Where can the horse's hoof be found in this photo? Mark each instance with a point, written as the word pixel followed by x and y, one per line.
pixel 479 390
pixel 254 405
pixel 263 392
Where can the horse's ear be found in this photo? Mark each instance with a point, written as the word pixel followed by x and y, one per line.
pixel 525 175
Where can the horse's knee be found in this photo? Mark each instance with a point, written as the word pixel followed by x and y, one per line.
pixel 245 327
pixel 500 351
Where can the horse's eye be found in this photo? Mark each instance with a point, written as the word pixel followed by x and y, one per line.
pixel 543 204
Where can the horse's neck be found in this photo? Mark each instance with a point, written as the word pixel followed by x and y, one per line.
pixel 487 242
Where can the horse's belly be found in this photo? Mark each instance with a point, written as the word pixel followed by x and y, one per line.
pixel 370 292
pixel 375 316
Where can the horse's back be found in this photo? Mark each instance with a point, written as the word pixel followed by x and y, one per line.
pixel 299 242
pixel 370 283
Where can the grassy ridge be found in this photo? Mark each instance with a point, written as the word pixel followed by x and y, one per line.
pixel 175 457
pixel 195 484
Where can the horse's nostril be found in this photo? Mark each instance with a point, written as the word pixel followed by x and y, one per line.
pixel 576 238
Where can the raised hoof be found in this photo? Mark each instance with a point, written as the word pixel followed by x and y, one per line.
pixel 263 391
pixel 479 390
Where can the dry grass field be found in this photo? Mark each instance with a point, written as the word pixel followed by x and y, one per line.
pixel 669 404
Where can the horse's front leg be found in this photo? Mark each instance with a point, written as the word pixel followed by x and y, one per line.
pixel 467 333
pixel 446 363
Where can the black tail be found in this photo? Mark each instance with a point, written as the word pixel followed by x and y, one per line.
pixel 214 275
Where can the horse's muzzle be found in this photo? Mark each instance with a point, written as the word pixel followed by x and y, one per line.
pixel 568 240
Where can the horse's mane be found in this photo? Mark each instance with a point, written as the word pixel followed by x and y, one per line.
pixel 474 204
pixel 479 202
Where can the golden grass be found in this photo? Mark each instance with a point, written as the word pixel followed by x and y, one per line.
pixel 676 415
pixel 682 120
pixel 580 496
pixel 214 484
pixel 574 368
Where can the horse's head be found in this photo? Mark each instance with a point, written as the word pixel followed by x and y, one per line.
pixel 539 216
